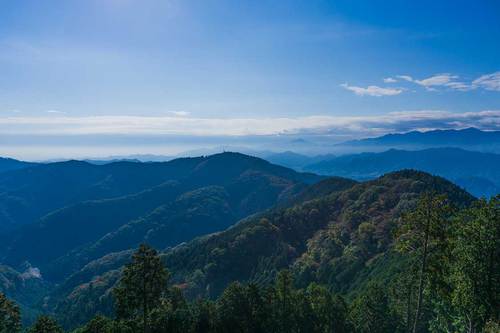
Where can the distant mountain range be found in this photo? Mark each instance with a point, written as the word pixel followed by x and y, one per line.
pixel 477 172
pixel 294 160
pixel 470 138
pixel 9 164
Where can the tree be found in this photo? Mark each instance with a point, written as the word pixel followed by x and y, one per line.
pixel 241 308
pixel 173 315
pixel 10 317
pixel 142 286
pixel 425 232
pixel 284 306
pixel 330 311
pixel 203 316
pixel 370 312
pixel 46 324
pixel 475 269
pixel 401 292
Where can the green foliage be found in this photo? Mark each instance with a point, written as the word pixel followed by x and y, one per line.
pixel 329 264
pixel 371 313
pixel 424 233
pixel 241 309
pixel 474 267
pixel 142 286
pixel 282 308
pixel 45 324
pixel 98 324
pixel 10 317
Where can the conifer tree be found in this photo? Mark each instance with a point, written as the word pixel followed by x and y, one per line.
pixel 142 286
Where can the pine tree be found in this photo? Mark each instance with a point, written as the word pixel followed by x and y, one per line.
pixel 143 285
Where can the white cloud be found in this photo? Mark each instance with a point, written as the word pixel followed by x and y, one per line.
pixel 405 77
pixel 488 82
pixel 390 80
pixel 439 80
pixel 55 112
pixel 372 90
pixel 446 80
pixel 461 86
pixel 180 113
pixel 313 125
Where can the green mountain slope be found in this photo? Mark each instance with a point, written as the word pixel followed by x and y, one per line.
pixel 76 225
pixel 212 194
pixel 341 238
pixel 28 194
pixel 322 240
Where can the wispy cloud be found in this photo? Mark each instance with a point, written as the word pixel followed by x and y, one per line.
pixel 390 80
pixel 372 90
pixel 180 113
pixel 439 80
pixel 311 125
pixel 446 80
pixel 55 112
pixel 488 82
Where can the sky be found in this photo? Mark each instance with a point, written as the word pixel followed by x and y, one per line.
pixel 106 77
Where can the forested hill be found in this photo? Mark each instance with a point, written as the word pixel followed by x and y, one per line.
pixel 327 240
pixel 28 194
pixel 338 238
pixel 175 202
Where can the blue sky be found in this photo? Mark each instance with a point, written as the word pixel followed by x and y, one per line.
pixel 243 68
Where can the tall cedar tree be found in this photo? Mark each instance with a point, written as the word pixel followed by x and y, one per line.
pixel 10 317
pixel 143 285
pixel 424 232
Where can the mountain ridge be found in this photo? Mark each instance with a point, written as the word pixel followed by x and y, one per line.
pixel 440 137
pixel 456 164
